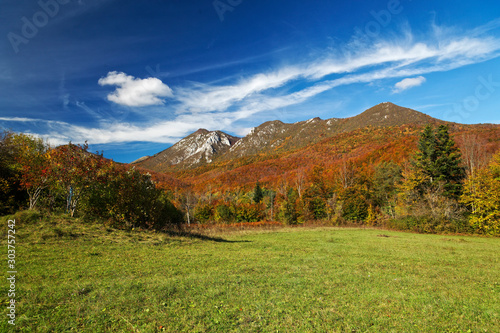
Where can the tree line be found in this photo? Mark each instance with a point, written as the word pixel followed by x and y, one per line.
pixel 440 188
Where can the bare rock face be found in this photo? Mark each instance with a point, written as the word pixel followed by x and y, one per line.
pixel 200 147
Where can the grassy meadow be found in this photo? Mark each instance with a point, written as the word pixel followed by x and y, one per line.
pixel 89 278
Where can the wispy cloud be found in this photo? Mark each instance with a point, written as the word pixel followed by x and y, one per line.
pixel 383 60
pixel 220 106
pixel 33 120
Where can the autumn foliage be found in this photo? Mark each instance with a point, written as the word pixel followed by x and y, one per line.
pixel 410 177
pixel 71 179
pixel 482 196
pixel 405 177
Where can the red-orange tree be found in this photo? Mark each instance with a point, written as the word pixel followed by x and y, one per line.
pixel 33 162
pixel 73 170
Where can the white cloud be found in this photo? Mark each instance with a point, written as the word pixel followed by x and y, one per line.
pixel 221 106
pixel 132 91
pixel 383 60
pixel 32 120
pixel 202 98
pixel 408 83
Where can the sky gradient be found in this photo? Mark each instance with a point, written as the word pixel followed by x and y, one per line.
pixel 134 77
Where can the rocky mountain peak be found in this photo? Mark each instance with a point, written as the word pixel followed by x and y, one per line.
pixel 200 147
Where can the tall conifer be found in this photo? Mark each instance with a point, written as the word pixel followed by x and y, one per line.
pixel 448 163
pixel 440 160
pixel 258 194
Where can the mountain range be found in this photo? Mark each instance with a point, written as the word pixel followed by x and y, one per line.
pixel 204 147
pixel 277 153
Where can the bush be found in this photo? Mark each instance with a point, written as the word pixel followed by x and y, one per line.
pixel 224 213
pixel 430 225
pixel 355 207
pixel 249 212
pixel 355 210
pixel 287 212
pixel 26 216
pixel 204 213
pixel 317 207
pixel 128 198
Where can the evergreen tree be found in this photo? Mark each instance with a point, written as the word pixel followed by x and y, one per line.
pixel 448 163
pixel 386 178
pixel 440 161
pixel 258 194
pixel 426 154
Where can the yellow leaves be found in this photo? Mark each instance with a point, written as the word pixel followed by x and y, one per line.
pixel 412 179
pixel 371 219
pixel 482 195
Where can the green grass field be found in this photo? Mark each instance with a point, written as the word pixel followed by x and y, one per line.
pixel 73 277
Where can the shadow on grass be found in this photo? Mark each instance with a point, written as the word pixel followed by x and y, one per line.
pixel 183 233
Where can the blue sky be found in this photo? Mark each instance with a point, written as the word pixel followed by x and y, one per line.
pixel 134 77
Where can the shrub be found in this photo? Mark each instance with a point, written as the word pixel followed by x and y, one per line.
pixel 131 199
pixel 429 224
pixel 224 213
pixel 287 212
pixel 204 212
pixel 355 207
pixel 249 212
pixel 27 216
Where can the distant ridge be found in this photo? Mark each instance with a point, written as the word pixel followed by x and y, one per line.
pixel 389 114
pixel 204 147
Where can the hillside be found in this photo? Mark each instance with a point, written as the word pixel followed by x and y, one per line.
pixel 279 137
pixel 365 147
pixel 204 147
pixel 276 152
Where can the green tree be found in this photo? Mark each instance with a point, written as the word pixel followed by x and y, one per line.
pixel 448 164
pixel 440 161
pixel 355 203
pixel 258 194
pixel 287 212
pixel 11 197
pixel 385 180
pixel 426 153
pixel 316 196
pixel 433 181
pixel 203 212
pixel 224 212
